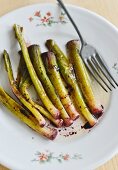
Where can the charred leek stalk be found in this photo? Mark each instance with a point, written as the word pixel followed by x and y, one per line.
pixel 82 76
pixel 34 111
pixel 22 73
pixel 24 84
pixel 35 56
pixel 67 73
pixel 44 112
pixel 24 116
pixel 37 84
pixel 55 77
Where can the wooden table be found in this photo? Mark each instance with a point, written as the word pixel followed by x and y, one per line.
pixel 106 8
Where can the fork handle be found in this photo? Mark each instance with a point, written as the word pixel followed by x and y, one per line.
pixel 72 21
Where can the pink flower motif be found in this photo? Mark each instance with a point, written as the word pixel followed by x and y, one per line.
pixel 30 19
pixel 47 20
pixel 43 157
pixel 66 157
pixel 49 14
pixel 37 13
pixel 44 19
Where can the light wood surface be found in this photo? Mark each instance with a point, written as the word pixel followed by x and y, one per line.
pixel 106 8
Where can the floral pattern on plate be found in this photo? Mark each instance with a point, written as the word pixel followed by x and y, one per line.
pixel 47 156
pixel 47 19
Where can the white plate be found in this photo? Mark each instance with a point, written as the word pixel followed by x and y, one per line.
pixel 19 145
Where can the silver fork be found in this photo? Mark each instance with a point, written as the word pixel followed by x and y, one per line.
pixel 93 61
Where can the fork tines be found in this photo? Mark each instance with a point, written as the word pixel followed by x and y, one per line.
pixel 100 72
